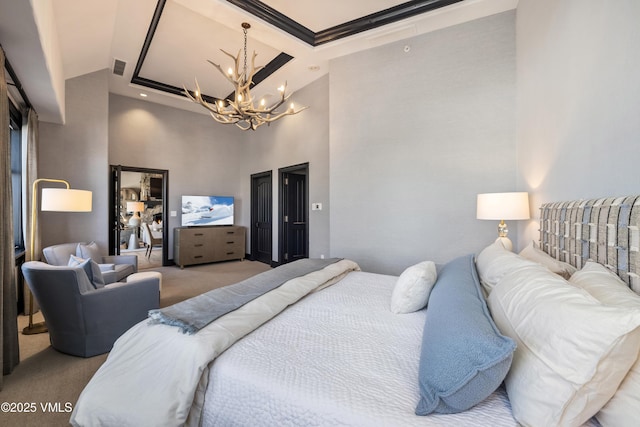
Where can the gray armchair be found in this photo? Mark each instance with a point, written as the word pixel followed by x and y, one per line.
pixel 115 268
pixel 84 321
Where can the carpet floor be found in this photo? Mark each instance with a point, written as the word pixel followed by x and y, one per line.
pixel 45 386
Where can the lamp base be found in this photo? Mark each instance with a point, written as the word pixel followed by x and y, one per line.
pixel 506 242
pixel 36 328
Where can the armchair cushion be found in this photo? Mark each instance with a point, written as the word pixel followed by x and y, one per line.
pixel 91 268
pixel 107 267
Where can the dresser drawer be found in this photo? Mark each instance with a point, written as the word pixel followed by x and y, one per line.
pixel 195 235
pixel 196 251
pixel 229 249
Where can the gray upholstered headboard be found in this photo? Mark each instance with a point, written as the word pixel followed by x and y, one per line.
pixel 602 230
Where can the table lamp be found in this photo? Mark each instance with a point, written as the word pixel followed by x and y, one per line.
pixel 134 222
pixel 503 206
pixel 136 208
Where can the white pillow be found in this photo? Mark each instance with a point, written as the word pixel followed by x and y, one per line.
pixel 412 290
pixel 624 407
pixel 533 253
pixel 494 262
pixel 89 250
pixel 572 352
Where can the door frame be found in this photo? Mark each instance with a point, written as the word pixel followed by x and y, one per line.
pixel 114 207
pixel 254 214
pixel 282 172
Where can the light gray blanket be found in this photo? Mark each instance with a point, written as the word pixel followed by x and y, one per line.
pixel 195 313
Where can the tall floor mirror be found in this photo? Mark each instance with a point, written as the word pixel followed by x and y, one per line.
pixel 138 214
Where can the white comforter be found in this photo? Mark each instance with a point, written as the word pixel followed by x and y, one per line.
pixel 156 376
pixel 338 357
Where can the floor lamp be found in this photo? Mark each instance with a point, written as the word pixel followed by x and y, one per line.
pixel 54 200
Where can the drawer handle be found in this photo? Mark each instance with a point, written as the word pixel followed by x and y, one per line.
pixel 230 243
pixel 198 234
pixel 198 256
pixel 231 232
pixel 230 253
pixel 198 245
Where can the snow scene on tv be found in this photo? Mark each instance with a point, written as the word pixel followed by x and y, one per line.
pixel 207 210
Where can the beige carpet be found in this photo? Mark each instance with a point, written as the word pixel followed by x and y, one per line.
pixel 48 383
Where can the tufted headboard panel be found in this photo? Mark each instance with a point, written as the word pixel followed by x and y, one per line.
pixel 602 230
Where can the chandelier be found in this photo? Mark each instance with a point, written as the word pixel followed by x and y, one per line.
pixel 241 110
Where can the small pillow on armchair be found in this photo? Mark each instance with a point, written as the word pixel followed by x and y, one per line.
pixel 89 250
pixel 91 268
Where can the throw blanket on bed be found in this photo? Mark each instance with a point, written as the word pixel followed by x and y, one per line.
pixel 196 313
pixel 156 376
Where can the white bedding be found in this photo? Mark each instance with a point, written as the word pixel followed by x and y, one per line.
pixel 354 363
pixel 156 375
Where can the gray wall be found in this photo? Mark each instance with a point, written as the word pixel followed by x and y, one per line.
pixel 77 152
pixel 204 157
pixel 415 137
pixel 291 141
pixel 201 156
pixel 578 100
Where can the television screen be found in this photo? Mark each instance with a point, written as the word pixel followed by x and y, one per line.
pixel 207 210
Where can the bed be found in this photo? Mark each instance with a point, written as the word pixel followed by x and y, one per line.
pixel 336 354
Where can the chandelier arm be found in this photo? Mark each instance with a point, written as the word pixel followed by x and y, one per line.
pixel 284 113
pixel 198 99
pixel 243 128
pixel 224 119
pixel 254 70
pixel 226 75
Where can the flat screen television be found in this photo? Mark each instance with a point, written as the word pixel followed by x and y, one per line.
pixel 200 211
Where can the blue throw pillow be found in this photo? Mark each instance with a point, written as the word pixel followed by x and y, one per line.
pixel 91 268
pixel 464 358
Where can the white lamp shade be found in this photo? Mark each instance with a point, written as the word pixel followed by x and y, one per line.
pixel 500 206
pixel 66 200
pixel 135 207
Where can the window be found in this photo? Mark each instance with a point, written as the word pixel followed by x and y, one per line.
pixel 15 129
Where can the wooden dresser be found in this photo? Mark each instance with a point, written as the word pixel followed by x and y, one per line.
pixel 199 245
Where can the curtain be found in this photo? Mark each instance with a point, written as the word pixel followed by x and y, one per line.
pixel 30 172
pixel 8 303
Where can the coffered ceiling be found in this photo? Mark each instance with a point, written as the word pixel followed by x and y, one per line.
pixel 165 44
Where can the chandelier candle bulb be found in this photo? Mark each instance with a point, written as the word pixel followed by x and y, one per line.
pixel 242 111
